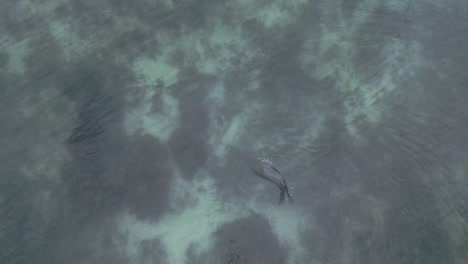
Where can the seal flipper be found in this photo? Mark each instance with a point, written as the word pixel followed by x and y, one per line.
pixel 281 200
pixel 286 190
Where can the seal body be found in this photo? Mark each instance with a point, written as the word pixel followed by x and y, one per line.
pixel 265 169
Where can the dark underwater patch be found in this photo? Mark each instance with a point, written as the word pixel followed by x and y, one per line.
pixel 4 58
pixel 44 62
pixel 442 31
pixel 152 251
pixel 246 240
pixel 97 135
pixel 189 142
pixel 86 17
pixel 349 7
pixel 146 188
pixel 93 243
pixel 193 15
pixel 16 23
pixel 383 26
pixel 23 231
pixel 109 170
pixel 400 164
pixel 28 230
pixel 148 13
pixel 112 171
pixel 135 43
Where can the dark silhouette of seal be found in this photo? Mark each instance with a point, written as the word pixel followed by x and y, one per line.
pixel 265 169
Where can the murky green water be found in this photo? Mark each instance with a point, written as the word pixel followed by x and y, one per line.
pixel 125 126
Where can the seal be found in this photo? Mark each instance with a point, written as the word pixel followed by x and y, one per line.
pixel 265 169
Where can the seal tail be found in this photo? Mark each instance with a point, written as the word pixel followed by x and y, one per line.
pixel 281 199
pixel 285 192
